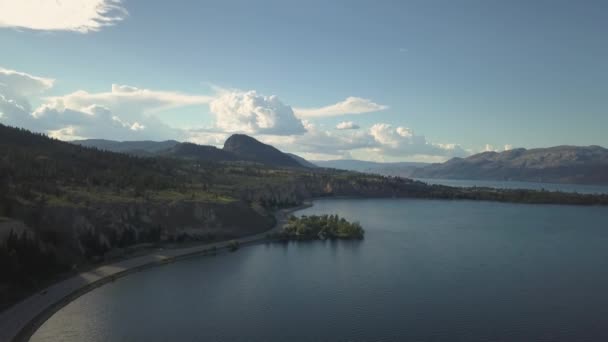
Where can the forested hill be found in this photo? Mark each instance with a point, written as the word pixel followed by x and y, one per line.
pixel 559 164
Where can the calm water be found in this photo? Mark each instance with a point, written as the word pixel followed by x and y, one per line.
pixel 427 271
pixel 580 188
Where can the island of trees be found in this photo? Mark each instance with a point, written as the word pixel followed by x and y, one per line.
pixel 319 228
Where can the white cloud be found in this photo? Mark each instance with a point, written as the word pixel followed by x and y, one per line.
pixel 61 15
pixel 403 142
pixel 347 125
pixel 489 148
pixel 129 99
pixel 124 113
pixel 380 142
pixel 251 113
pixel 15 88
pixel 22 83
pixel 320 141
pixel 66 133
pixel 492 148
pixel 352 105
pixel 11 111
pixel 99 121
pixel 207 137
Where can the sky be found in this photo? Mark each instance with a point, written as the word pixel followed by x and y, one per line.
pixel 373 80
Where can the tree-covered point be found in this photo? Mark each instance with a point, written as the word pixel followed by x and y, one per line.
pixel 320 227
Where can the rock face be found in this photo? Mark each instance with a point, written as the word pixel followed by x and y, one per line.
pixel 249 149
pixel 560 164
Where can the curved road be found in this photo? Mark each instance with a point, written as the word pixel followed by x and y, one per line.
pixel 20 321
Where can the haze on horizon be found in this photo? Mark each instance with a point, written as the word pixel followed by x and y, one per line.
pixel 372 80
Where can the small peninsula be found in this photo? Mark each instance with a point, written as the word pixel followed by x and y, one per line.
pixel 321 227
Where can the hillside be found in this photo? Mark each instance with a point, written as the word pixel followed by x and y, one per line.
pixel 560 164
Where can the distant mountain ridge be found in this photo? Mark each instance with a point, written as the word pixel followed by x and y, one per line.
pixel 131 147
pixel 302 161
pixel 398 169
pixel 559 164
pixel 238 147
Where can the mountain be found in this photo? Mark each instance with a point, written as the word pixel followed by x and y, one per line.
pixel 238 147
pixel 144 147
pixel 559 164
pixel 249 149
pixel 400 169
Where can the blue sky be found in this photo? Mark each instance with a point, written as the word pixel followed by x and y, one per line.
pixel 415 80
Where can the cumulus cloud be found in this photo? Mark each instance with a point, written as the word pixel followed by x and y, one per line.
pixel 319 142
pixel 15 88
pixel 489 148
pixel 12 111
pixel 403 142
pixel 251 113
pixel 66 15
pixel 65 133
pixel 381 141
pixel 492 148
pixel 97 121
pixel 207 137
pixel 351 105
pixel 124 113
pixel 347 125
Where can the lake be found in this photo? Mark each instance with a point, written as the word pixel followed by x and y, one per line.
pixel 428 270
pixel 466 183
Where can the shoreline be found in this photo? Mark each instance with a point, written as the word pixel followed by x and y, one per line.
pixel 20 321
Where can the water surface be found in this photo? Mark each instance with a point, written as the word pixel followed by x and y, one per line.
pixel 428 270
pixel 465 183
